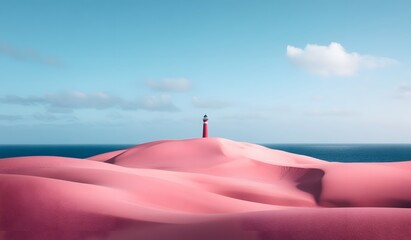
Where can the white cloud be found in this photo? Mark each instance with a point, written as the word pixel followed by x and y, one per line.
pixel 170 85
pixel 210 104
pixel 333 60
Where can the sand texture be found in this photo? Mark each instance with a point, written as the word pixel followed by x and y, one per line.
pixel 205 188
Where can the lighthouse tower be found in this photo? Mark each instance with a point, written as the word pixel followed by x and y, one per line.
pixel 205 126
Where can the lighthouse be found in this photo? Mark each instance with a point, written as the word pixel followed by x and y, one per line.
pixel 205 126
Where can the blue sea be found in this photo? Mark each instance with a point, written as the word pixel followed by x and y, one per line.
pixel 329 152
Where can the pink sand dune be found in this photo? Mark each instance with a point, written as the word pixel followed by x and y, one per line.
pixel 208 188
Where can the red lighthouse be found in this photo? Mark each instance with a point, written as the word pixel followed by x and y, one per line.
pixel 205 126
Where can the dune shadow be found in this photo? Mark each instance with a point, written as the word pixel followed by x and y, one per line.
pixel 311 182
pixel 111 160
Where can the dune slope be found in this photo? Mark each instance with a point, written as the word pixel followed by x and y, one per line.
pixel 208 188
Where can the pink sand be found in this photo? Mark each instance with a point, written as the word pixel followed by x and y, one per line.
pixel 202 189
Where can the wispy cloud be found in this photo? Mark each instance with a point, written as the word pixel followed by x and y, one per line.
pixel 25 101
pixel 336 112
pixel 29 54
pixel 68 101
pixel 49 117
pixel 333 60
pixel 403 91
pixel 162 103
pixel 317 98
pixel 208 104
pixel 170 85
pixel 245 116
pixel 78 99
pixel 43 117
pixel 9 117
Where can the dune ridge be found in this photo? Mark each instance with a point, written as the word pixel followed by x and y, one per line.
pixel 206 188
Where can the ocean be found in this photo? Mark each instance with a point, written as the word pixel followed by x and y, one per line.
pixel 328 152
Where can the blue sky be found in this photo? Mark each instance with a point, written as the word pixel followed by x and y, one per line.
pixel 264 71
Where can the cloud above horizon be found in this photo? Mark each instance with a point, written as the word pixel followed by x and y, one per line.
pixel 170 85
pixel 208 104
pixel 334 60
pixel 64 102
pixel 334 112
pixel 49 117
pixel 161 103
pixel 29 54
pixel 10 117
pixel 404 91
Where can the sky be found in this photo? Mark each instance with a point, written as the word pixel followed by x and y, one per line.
pixel 111 72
